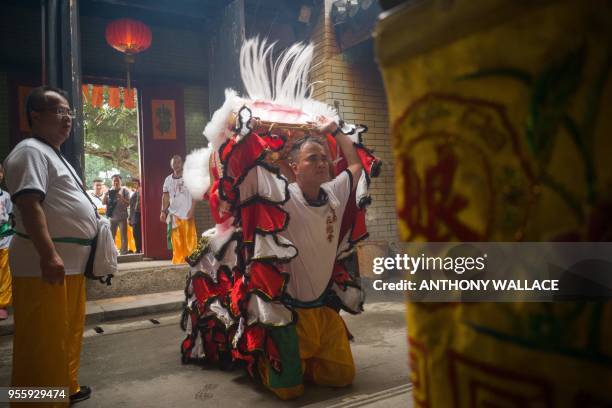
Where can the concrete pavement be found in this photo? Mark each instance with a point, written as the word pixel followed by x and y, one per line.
pixel 131 354
pixel 136 363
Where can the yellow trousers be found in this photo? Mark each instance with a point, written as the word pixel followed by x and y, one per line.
pixel 184 239
pixel 5 280
pixel 131 246
pixel 49 322
pixel 324 349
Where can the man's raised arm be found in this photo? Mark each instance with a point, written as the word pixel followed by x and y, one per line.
pixel 348 149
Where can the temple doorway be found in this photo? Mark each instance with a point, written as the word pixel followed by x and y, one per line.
pixel 111 149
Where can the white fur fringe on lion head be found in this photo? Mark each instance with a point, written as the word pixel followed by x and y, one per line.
pixel 277 92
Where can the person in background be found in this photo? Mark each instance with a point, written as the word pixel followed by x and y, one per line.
pixel 117 201
pixel 6 230
pixel 48 280
pixel 178 213
pixel 134 219
pixel 97 195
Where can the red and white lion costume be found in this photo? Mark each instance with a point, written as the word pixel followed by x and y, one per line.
pixel 237 287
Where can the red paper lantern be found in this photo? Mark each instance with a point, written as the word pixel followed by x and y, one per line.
pixel 128 36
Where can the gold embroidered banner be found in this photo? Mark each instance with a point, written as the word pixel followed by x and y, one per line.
pixel 501 133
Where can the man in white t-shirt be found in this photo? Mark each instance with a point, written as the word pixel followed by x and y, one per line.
pixel 315 208
pixel 6 210
pixel 55 225
pixel 178 213
pixel 97 195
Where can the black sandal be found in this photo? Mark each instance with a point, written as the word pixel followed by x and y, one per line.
pixel 83 394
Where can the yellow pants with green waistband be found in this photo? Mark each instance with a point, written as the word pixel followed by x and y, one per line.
pixel 49 322
pixel 184 239
pixel 321 341
pixel 5 280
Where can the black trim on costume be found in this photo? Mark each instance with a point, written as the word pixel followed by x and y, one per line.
pixel 360 133
pixel 184 351
pixel 29 191
pixel 275 231
pixel 236 236
pixel 268 326
pixel 237 130
pixel 375 169
pixel 279 260
pixel 376 166
pixel 206 276
pixel 364 202
pixel 256 197
pixel 194 311
pixel 284 275
pixel 341 124
pixel 364 129
pixel 225 176
pixel 344 285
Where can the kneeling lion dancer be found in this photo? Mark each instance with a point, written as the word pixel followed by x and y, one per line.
pixel 288 275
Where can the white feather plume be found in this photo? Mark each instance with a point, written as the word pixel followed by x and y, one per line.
pixel 283 82
pixel 255 62
pixel 286 83
pixel 216 131
pixel 291 71
pixel 196 172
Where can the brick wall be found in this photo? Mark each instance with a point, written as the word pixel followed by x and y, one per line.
pixel 359 91
pixel 196 117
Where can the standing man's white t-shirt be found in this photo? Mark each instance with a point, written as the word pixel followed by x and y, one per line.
pixel 180 198
pixel 315 231
pixel 6 209
pixel 97 200
pixel 34 167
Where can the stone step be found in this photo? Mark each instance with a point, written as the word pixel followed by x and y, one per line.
pixel 139 278
pixel 130 258
pixel 117 308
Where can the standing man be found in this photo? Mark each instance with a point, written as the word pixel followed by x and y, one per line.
pixel 48 281
pixel 117 201
pixel 6 230
pixel 135 215
pixel 97 195
pixel 177 211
